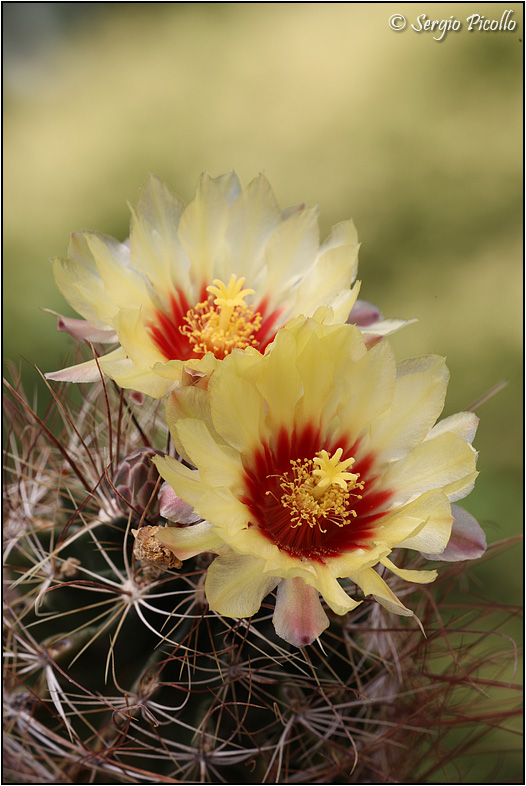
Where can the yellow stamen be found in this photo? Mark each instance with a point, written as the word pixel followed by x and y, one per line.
pixel 315 495
pixel 223 321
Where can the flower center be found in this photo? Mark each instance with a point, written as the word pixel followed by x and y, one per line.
pixel 223 321
pixel 317 491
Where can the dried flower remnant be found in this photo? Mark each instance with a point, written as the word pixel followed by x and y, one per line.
pixel 148 549
pixel 314 461
pixel 194 283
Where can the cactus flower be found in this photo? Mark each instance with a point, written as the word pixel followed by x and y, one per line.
pixel 315 461
pixel 194 283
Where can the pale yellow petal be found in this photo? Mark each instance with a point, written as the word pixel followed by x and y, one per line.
pixel 333 272
pixel 219 465
pixel 250 540
pixel 418 399
pixel 343 302
pixel 368 389
pixel 342 234
pixel 332 592
pixel 322 389
pixel 185 482
pixel 461 488
pixel 236 406
pixel 415 576
pixel 84 290
pixel 467 541
pixel 91 370
pixel 320 352
pixel 385 327
pixel 433 511
pixel 282 564
pixel 290 251
pixel 464 424
pixel 186 542
pixel 344 565
pixel 126 287
pixel 82 372
pixel 320 366
pixel 135 339
pixel 154 242
pixel 127 375
pixel 372 584
pixel 203 224
pixel 187 402
pixel 236 585
pixel 446 462
pixel 173 369
pixel 223 508
pixel 279 385
pixel 252 218
pixel 346 340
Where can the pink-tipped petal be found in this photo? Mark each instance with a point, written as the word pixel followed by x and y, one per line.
pixel 462 423
pixel 288 211
pixel 82 330
pixel 137 397
pixel 174 508
pixel 384 327
pixel 84 372
pixel 364 314
pixel 467 540
pixel 298 617
pixel 372 324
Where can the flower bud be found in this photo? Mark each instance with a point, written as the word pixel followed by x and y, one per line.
pixel 135 481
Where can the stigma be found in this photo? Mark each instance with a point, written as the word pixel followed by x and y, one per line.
pixel 318 491
pixel 223 322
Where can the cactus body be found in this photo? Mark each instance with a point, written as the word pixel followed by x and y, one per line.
pixel 117 671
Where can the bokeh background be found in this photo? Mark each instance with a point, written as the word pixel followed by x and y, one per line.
pixel 419 140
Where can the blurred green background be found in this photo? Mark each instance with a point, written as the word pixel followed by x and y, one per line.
pixel 419 140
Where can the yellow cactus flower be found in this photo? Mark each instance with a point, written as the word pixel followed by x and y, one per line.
pixel 194 283
pixel 313 462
